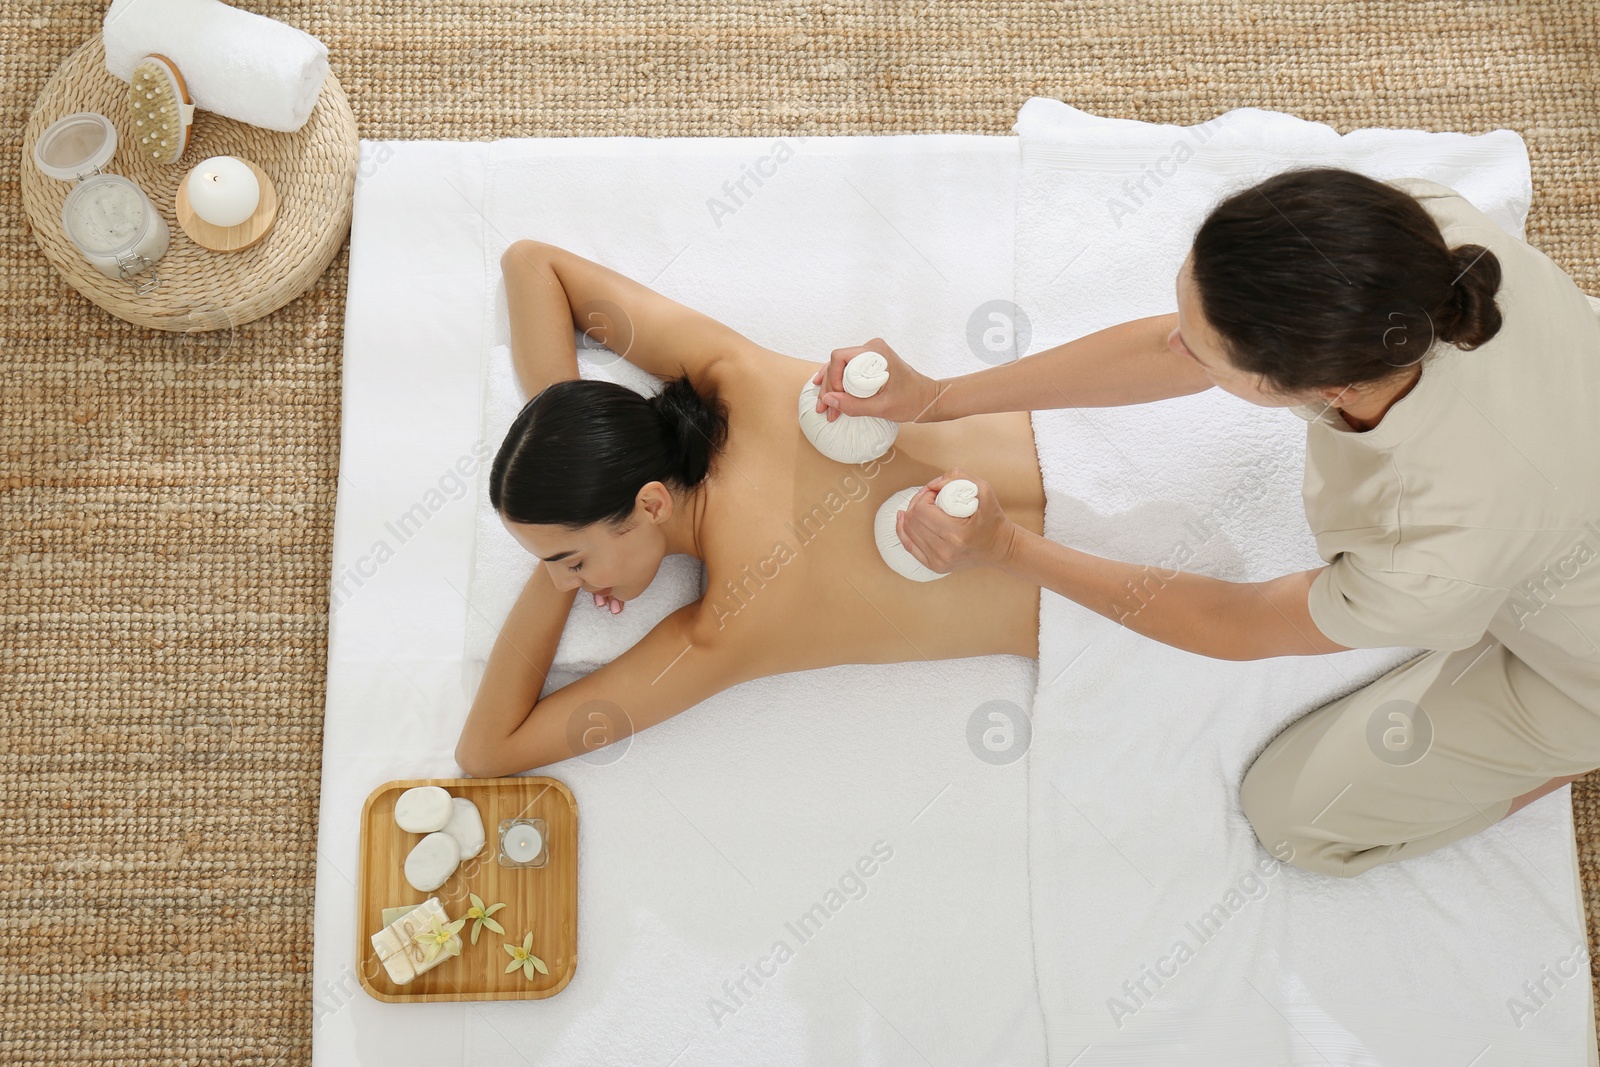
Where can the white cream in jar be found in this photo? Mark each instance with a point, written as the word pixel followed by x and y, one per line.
pixel 116 227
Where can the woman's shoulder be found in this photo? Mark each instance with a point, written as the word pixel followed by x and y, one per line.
pixel 748 370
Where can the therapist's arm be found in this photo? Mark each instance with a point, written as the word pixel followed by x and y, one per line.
pixel 1206 616
pixel 1129 363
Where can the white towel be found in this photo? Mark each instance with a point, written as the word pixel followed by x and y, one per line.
pixel 1138 748
pixel 236 63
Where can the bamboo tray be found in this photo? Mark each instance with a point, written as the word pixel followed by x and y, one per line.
pixel 541 899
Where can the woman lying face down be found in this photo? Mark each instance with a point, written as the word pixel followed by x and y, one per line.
pixel 601 484
pixel 590 477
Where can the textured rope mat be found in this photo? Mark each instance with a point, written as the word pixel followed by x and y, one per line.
pixel 167 500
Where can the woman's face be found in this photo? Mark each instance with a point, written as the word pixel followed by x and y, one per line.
pixel 1194 339
pixel 617 561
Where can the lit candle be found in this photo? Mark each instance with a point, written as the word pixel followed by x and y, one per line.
pixel 223 190
pixel 522 843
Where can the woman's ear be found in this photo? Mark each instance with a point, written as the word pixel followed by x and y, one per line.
pixel 656 501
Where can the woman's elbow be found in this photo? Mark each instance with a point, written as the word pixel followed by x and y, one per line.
pixel 478 759
pixel 472 762
pixel 525 252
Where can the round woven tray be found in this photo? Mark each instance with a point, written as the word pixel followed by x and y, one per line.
pixel 314 169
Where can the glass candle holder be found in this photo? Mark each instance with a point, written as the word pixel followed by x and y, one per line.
pixel 523 843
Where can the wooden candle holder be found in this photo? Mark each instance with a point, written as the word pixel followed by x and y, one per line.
pixel 229 238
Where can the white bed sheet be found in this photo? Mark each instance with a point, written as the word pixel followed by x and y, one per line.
pixel 420 321
pixel 725 823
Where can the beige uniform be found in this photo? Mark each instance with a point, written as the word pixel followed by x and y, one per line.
pixel 1467 521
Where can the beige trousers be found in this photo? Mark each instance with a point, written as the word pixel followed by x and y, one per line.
pixel 1431 752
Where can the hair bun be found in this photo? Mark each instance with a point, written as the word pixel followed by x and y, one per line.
pixel 1475 318
pixel 693 426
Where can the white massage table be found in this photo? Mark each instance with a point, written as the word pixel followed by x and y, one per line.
pixel 719 827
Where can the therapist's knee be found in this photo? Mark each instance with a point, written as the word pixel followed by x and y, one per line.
pixel 1282 821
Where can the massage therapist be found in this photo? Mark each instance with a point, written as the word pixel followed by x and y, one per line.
pixel 1449 374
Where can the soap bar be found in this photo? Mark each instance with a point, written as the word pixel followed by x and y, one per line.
pixel 432 862
pixel 466 826
pixel 423 810
pixel 391 914
pixel 397 948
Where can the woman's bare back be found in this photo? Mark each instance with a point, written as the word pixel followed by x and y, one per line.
pixel 794 578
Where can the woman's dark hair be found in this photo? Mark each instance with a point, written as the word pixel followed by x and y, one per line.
pixel 1324 277
pixel 580 451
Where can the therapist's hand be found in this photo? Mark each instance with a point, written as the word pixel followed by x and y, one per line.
pixel 907 397
pixel 945 543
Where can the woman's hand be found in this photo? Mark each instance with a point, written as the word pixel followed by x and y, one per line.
pixel 945 543
pixel 607 601
pixel 908 397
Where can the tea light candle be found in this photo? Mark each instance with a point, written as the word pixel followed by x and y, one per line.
pixel 522 843
pixel 223 190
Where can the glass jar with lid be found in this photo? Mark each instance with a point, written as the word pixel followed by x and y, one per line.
pixel 107 217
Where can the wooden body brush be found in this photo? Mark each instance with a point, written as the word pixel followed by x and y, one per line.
pixel 162 112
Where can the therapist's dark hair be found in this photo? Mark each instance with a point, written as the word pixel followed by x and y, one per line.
pixel 580 451
pixel 1320 276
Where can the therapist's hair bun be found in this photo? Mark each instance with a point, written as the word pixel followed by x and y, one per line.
pixel 579 452
pixel 1476 319
pixel 1321 276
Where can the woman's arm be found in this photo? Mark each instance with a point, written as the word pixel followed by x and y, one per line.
pixel 1129 363
pixel 542 346
pixel 549 291
pixel 1206 616
pixel 510 729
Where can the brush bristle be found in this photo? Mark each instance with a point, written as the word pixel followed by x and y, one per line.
pixel 155 98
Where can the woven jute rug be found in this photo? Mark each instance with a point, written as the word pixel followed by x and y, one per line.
pixel 167 507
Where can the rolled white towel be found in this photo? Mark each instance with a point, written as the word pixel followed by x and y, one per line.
pixel 236 63
pixel 957 498
pixel 850 438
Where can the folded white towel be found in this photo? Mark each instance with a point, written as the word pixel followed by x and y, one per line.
pixel 238 64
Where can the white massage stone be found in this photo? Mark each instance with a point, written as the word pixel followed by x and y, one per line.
pixel 423 810
pixel 432 862
pixel 850 438
pixel 958 498
pixel 466 826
